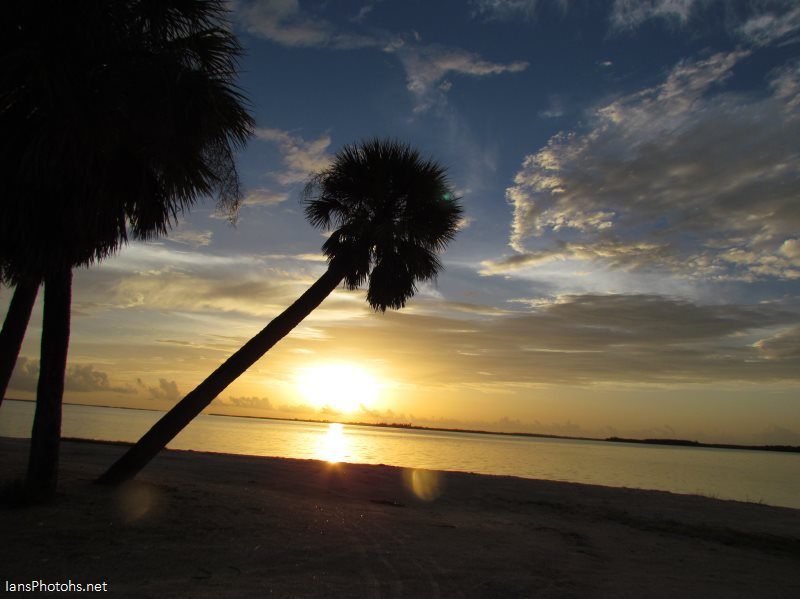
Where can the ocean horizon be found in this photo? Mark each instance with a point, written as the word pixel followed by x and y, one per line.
pixel 723 473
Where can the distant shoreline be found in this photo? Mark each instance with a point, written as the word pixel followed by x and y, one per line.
pixel 409 426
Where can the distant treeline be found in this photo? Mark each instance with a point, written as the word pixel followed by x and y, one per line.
pixel 687 443
pixel 408 425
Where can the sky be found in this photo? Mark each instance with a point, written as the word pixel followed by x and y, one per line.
pixel 629 259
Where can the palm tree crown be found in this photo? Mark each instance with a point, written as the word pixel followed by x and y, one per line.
pixel 116 115
pixel 390 211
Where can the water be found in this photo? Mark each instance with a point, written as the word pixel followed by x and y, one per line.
pixel 767 477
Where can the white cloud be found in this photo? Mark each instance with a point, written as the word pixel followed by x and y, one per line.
pixel 191 237
pixel 238 287
pixel 681 176
pixel 264 197
pixel 504 9
pixel 791 249
pixel 427 66
pixel 554 109
pixel 302 158
pixel 365 10
pixel 465 222
pixel 285 23
pixel 759 23
pixel 785 83
pixel 776 25
pixel 627 14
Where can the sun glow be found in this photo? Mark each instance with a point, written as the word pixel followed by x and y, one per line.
pixel 333 446
pixel 341 387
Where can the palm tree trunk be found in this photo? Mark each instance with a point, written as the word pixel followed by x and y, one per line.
pixel 46 434
pixel 174 421
pixel 14 326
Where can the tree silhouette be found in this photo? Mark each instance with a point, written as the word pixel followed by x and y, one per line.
pixel 390 211
pixel 15 324
pixel 115 117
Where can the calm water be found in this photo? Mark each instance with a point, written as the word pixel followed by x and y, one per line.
pixel 769 477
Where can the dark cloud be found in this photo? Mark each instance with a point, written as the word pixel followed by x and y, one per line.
pixel 586 339
pixel 78 377
pixel 783 345
pixel 165 391
pixel 262 403
pixel 25 375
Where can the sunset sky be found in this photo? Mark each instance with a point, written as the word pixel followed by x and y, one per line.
pixel 629 260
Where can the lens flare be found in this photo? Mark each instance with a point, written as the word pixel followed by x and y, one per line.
pixel 425 484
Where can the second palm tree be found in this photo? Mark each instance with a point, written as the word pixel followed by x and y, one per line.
pixel 391 213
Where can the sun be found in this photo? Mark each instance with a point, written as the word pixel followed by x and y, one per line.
pixel 340 386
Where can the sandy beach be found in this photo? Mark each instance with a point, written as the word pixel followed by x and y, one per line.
pixel 209 525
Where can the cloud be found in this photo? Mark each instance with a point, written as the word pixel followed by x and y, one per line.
pixel 365 10
pixel 165 391
pixel 191 237
pixel 465 222
pixel 628 14
pixel 584 339
pixel 613 252
pixel 682 176
pixel 262 403
pixel 758 23
pixel 775 25
pixel 264 197
pixel 506 10
pixel 784 344
pixel 285 23
pixel 427 66
pixel 78 377
pixel 554 110
pixel 241 287
pixel 302 158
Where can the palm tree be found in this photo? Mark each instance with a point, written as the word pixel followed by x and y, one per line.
pixel 115 117
pixel 390 211
pixel 14 326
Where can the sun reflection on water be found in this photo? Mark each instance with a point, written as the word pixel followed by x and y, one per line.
pixel 333 446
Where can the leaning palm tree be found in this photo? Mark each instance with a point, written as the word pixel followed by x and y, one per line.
pixel 15 324
pixel 390 211
pixel 115 117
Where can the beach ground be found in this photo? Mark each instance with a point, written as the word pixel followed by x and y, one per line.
pixel 213 525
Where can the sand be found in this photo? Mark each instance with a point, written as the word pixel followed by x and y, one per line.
pixel 213 525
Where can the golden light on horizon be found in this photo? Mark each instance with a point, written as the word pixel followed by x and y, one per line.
pixel 340 386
